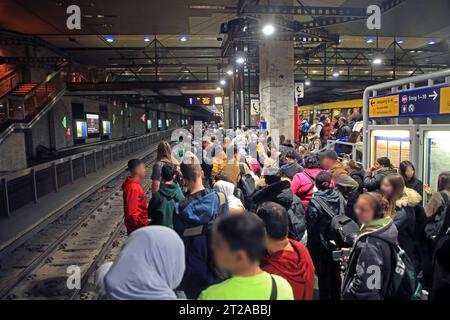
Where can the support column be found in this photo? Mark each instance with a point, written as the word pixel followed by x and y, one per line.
pixel 276 85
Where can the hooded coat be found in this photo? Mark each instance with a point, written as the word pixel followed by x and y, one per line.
pixel 405 221
pixel 162 204
pixel 199 209
pixel 373 247
pixel 134 205
pixel 302 186
pixel 358 175
pixel 372 180
pixel 290 169
pixel 279 192
pixel 295 266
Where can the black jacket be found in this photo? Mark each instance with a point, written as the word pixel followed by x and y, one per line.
pixel 290 169
pixel 373 249
pixel 358 176
pixel 416 185
pixel 372 180
pixel 318 221
pixel 405 221
pixel 343 132
pixel 280 192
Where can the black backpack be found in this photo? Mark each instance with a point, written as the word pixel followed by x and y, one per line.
pixel 435 223
pixel 297 219
pixel 441 269
pixel 246 184
pixel 342 229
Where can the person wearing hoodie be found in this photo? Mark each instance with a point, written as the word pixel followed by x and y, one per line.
pixel 373 247
pixel 192 221
pixel 134 201
pixel 402 203
pixel 286 257
pixel 374 175
pixel 317 225
pixel 235 205
pixel 348 187
pixel 291 166
pixel 162 204
pixel 278 190
pixel 303 183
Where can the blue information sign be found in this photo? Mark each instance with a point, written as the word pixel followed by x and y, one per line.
pixel 423 102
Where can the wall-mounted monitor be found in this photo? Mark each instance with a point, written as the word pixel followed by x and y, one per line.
pixel 93 124
pixel 149 124
pixel 106 128
pixel 160 124
pixel 80 129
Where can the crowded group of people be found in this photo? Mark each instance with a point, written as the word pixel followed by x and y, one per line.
pixel 241 216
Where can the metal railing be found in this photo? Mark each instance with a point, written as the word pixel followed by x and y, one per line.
pixel 8 82
pixel 29 185
pixel 19 108
pixel 336 145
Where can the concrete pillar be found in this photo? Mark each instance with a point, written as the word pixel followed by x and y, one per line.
pixel 276 85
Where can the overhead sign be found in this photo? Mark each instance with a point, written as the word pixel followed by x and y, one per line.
pixel 200 101
pixel 299 90
pixel 425 102
pixel 254 107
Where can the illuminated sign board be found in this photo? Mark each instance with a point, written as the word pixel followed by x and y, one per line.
pixel 81 129
pixel 200 101
pixel 106 128
pixel 93 124
pixel 425 102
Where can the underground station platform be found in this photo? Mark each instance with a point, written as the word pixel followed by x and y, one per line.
pixel 225 150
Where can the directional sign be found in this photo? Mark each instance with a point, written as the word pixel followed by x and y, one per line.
pixel 425 102
pixel 254 107
pixel 299 90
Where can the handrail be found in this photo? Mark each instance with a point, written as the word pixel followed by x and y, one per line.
pixel 8 82
pixel 47 79
pixel 8 74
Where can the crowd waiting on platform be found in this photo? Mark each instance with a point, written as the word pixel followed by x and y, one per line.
pixel 242 216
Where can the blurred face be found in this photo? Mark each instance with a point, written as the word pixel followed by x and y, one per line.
pixel 327 121
pixel 409 173
pixel 341 123
pixel 346 165
pixel 386 188
pixel 364 211
pixel 226 259
pixel 140 171
pixel 327 163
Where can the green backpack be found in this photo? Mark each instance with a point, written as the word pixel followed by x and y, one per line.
pixel 403 284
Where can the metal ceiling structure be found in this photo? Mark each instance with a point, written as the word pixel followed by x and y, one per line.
pixel 325 36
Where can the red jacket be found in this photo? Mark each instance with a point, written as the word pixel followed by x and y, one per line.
pixel 294 266
pixel 134 204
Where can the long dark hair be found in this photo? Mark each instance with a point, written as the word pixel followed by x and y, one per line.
pixel 164 151
pixel 398 187
pixel 404 165
pixel 379 204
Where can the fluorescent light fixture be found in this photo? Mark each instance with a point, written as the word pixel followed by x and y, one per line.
pixel 268 29
pixel 369 40
pixel 109 38
pixel 147 39
pixel 307 81
pixel 183 38
pixel 431 41
pixel 391 133
pixel 223 82
pixel 240 60
pixel 230 72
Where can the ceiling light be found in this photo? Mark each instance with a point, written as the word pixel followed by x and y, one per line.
pixel 377 60
pixel 147 39
pixel 369 40
pixel 223 82
pixel 230 72
pixel 240 60
pixel 218 88
pixel 100 16
pixel 183 38
pixel 307 81
pixel 109 38
pixel 336 73
pixel 268 29
pixel 431 42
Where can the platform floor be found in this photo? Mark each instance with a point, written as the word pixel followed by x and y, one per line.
pixel 32 215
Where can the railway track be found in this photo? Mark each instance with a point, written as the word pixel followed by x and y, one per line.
pixel 83 237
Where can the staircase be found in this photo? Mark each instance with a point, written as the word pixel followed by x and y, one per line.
pixel 23 89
